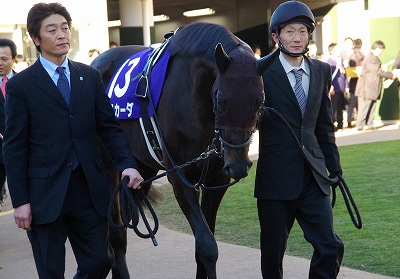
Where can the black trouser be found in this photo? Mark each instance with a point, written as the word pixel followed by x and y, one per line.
pixel 313 212
pixel 2 182
pixel 86 230
pixel 338 104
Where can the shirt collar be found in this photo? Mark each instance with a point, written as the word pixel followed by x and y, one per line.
pixel 9 75
pixel 50 67
pixel 287 67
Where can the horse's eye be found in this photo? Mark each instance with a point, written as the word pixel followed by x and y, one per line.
pixel 219 103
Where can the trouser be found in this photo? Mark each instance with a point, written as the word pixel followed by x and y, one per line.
pixel 337 108
pixel 351 106
pixel 365 113
pixel 86 230
pixel 313 212
pixel 2 183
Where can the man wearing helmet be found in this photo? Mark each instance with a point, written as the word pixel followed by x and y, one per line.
pixel 292 182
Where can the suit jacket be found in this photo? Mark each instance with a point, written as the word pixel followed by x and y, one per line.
pixel 369 83
pixel 42 131
pixel 2 121
pixel 281 165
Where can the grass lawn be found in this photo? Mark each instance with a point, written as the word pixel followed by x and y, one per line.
pixel 372 172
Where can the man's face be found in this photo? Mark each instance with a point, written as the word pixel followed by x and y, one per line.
pixel 55 37
pixel 294 37
pixel 6 60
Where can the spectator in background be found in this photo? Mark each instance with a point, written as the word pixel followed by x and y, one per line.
pixel 8 53
pixel 355 59
pixel 313 50
pixel 113 44
pixel 347 50
pixel 369 86
pixel 339 84
pixel 20 63
pixel 93 53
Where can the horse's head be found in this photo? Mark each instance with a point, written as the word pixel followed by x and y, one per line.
pixel 238 94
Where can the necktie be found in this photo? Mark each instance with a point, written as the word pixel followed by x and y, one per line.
pixel 3 86
pixel 63 84
pixel 299 91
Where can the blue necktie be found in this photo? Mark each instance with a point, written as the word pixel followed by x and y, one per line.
pixel 63 85
pixel 299 91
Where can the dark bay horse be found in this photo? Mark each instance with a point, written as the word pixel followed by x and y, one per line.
pixel 211 91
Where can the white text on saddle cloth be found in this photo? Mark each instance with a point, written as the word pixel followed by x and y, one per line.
pixel 122 86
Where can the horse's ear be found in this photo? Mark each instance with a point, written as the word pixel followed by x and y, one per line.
pixel 221 58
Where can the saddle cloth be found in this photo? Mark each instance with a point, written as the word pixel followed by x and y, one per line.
pixel 122 86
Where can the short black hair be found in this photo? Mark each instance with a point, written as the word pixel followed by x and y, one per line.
pixel 4 42
pixel 41 11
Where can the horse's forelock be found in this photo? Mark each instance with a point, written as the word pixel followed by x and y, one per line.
pixel 201 38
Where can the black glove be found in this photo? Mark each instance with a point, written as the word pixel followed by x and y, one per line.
pixel 335 175
pixel 263 113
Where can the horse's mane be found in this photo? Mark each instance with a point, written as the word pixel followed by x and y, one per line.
pixel 200 38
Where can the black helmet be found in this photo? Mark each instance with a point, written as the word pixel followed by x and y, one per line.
pixel 291 11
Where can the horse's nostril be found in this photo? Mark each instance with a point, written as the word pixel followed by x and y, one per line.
pixel 237 171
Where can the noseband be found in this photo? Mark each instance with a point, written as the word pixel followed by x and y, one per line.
pixel 218 136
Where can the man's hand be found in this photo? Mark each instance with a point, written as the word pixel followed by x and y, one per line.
pixel 134 178
pixel 23 216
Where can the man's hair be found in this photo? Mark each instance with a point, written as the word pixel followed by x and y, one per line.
pixel 377 44
pixel 41 11
pixel 4 42
pixel 357 43
pixel 312 42
pixel 331 47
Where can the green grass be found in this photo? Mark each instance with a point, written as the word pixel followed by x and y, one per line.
pixel 372 172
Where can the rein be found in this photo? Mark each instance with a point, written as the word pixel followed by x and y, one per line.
pixel 130 200
pixel 339 181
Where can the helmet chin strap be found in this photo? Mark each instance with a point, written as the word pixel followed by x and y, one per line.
pixel 285 51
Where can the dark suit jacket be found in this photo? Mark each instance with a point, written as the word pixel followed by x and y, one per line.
pixel 280 169
pixel 2 122
pixel 42 131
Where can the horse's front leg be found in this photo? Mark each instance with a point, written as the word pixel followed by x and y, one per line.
pixel 210 201
pixel 206 249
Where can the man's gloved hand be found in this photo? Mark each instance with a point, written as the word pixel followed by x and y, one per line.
pixel 335 175
pixel 263 113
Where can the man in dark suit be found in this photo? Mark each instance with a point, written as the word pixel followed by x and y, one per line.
pixel 57 182
pixel 289 187
pixel 8 53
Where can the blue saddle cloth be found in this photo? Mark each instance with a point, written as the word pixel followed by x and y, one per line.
pixel 122 86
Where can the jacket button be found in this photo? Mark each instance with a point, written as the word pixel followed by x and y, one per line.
pixel 69 164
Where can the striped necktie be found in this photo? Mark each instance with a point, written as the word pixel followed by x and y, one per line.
pixel 299 91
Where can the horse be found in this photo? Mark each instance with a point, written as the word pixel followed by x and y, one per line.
pixel 211 96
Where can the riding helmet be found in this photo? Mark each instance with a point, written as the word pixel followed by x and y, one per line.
pixel 291 11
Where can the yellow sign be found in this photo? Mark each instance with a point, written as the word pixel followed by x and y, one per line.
pixel 353 72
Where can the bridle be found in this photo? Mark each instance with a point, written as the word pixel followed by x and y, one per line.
pixel 219 137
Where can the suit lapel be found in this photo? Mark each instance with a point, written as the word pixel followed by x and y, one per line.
pixel 315 85
pixel 44 82
pixel 77 80
pixel 279 76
